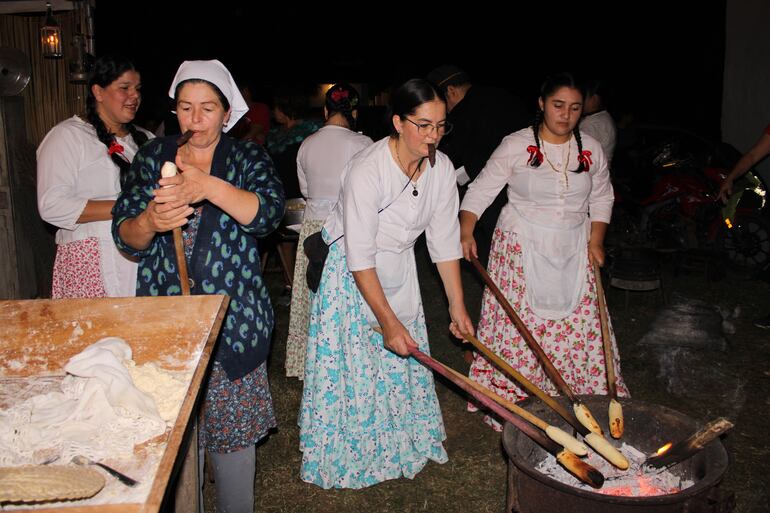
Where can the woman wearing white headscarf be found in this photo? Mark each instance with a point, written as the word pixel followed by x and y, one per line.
pixel 226 195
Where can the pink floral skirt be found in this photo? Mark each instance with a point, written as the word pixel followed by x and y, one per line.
pixel 77 270
pixel 574 344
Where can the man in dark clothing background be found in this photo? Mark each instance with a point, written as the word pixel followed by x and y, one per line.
pixel 481 117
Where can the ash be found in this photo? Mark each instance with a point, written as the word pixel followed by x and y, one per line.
pixel 637 481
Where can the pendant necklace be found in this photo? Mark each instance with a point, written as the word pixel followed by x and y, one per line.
pixel 414 187
pixel 566 162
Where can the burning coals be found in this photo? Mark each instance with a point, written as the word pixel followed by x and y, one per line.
pixel 637 481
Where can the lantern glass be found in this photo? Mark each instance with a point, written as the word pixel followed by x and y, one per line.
pixel 50 37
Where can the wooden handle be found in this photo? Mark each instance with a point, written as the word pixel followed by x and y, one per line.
pixel 537 436
pixel 524 382
pixel 518 410
pixel 606 340
pixel 181 261
pixel 557 435
pixel 549 368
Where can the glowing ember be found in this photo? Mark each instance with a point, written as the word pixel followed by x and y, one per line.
pixel 663 449
pixel 637 481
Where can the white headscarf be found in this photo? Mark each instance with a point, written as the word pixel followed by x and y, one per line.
pixel 215 72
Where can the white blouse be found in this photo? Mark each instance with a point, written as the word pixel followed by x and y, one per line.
pixel 73 167
pixel 321 161
pixel 601 127
pixel 545 195
pixel 371 181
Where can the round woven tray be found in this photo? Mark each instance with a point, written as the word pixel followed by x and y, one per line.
pixel 48 483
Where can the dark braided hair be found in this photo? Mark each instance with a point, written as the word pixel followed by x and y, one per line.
pixel 342 98
pixel 105 71
pixel 552 84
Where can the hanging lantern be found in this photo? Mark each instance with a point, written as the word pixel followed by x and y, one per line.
pixel 50 36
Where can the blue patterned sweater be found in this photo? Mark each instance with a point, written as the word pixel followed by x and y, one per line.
pixel 225 257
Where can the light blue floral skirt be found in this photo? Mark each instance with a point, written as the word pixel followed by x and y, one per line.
pixel 367 415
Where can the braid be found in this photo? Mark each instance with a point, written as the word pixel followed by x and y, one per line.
pixel 536 159
pixel 137 135
pixel 107 138
pixel 347 111
pixel 579 141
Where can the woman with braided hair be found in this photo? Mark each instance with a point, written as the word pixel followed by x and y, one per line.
pixel 548 237
pixel 321 159
pixel 81 165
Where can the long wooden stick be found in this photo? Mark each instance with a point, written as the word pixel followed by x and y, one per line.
pixel 549 368
pixel 606 341
pixel 524 382
pixel 181 261
pixel 556 434
pixel 582 412
pixel 615 410
pixel 572 463
pixel 505 403
pixel 680 451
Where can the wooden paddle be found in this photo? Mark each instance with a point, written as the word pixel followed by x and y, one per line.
pixel 615 408
pixel 582 412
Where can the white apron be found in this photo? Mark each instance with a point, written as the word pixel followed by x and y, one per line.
pixel 397 273
pixel 555 259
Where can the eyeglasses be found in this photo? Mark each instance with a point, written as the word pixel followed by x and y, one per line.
pixel 428 128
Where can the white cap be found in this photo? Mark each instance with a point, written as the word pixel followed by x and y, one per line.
pixel 215 72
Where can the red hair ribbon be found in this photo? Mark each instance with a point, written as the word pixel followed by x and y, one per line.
pixel 114 148
pixel 339 94
pixel 585 159
pixel 534 154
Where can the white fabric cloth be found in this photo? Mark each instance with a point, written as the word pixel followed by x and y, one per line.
pixel 98 412
pixel 601 127
pixel 321 160
pixel 384 241
pixel 550 211
pixel 215 72
pixel 73 167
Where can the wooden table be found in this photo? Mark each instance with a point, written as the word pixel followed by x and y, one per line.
pixel 38 337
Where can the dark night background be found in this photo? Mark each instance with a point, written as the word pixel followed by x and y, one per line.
pixel 663 61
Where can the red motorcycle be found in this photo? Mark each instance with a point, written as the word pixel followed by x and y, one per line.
pixel 667 198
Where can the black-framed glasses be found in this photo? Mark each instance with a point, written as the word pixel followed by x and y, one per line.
pixel 428 128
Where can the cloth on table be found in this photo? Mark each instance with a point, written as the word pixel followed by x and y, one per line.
pixel 98 411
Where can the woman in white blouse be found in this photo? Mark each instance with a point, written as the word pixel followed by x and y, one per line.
pixel 368 413
pixel 548 236
pixel 320 162
pixel 80 164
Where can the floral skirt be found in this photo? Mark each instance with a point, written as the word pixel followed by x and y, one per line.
pixel 367 415
pixel 573 344
pixel 236 414
pixel 77 271
pixel 296 342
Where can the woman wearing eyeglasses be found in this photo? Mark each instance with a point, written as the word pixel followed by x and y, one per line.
pixel 548 237
pixel 369 413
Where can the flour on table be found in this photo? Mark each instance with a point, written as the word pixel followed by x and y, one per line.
pixel 105 406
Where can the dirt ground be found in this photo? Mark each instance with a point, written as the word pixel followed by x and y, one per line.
pixel 703 383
